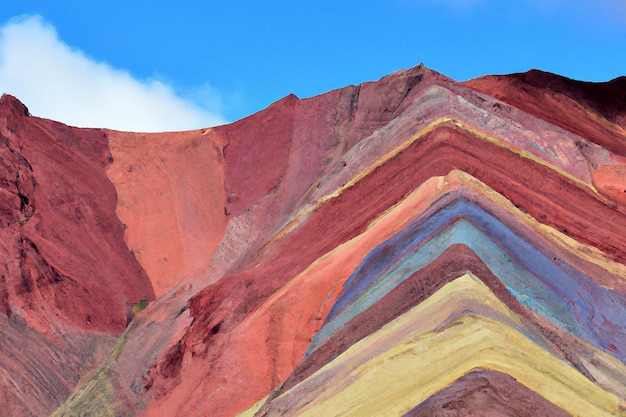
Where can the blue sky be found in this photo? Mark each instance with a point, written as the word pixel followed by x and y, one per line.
pixel 164 65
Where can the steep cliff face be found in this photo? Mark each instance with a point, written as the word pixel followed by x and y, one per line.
pixel 170 197
pixel 67 278
pixel 66 258
pixel 413 246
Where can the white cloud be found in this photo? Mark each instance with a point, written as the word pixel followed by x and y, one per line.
pixel 58 82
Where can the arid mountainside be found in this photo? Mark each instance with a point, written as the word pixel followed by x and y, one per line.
pixel 413 246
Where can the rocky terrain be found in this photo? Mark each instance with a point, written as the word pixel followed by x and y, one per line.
pixel 413 246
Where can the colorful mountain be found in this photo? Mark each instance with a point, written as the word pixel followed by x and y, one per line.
pixel 413 246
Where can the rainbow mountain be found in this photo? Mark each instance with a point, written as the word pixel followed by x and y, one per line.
pixel 414 246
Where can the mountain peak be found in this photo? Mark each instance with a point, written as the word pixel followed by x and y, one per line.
pixel 11 104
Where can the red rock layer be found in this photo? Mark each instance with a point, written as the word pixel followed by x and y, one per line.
pixel 288 143
pixel 274 158
pixel 206 209
pixel 453 262
pixel 219 308
pixel 67 278
pixel 595 111
pixel 63 244
pixel 489 394
pixel 171 200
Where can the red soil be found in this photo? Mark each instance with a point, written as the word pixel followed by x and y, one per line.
pixel 221 307
pixel 203 207
pixel 66 258
pixel 69 281
pixel 171 200
pixel 486 393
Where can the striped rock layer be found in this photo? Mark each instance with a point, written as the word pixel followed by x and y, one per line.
pixel 410 247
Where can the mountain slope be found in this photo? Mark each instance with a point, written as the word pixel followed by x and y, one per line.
pixel 445 245
pixel 68 281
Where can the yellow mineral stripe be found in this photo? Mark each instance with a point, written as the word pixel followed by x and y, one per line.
pixel 383 159
pixel 456 179
pixel 399 215
pixel 521 152
pixel 302 214
pixel 372 378
pixel 341 261
pixel 464 126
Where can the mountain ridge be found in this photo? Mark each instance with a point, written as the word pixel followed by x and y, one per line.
pixel 243 237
